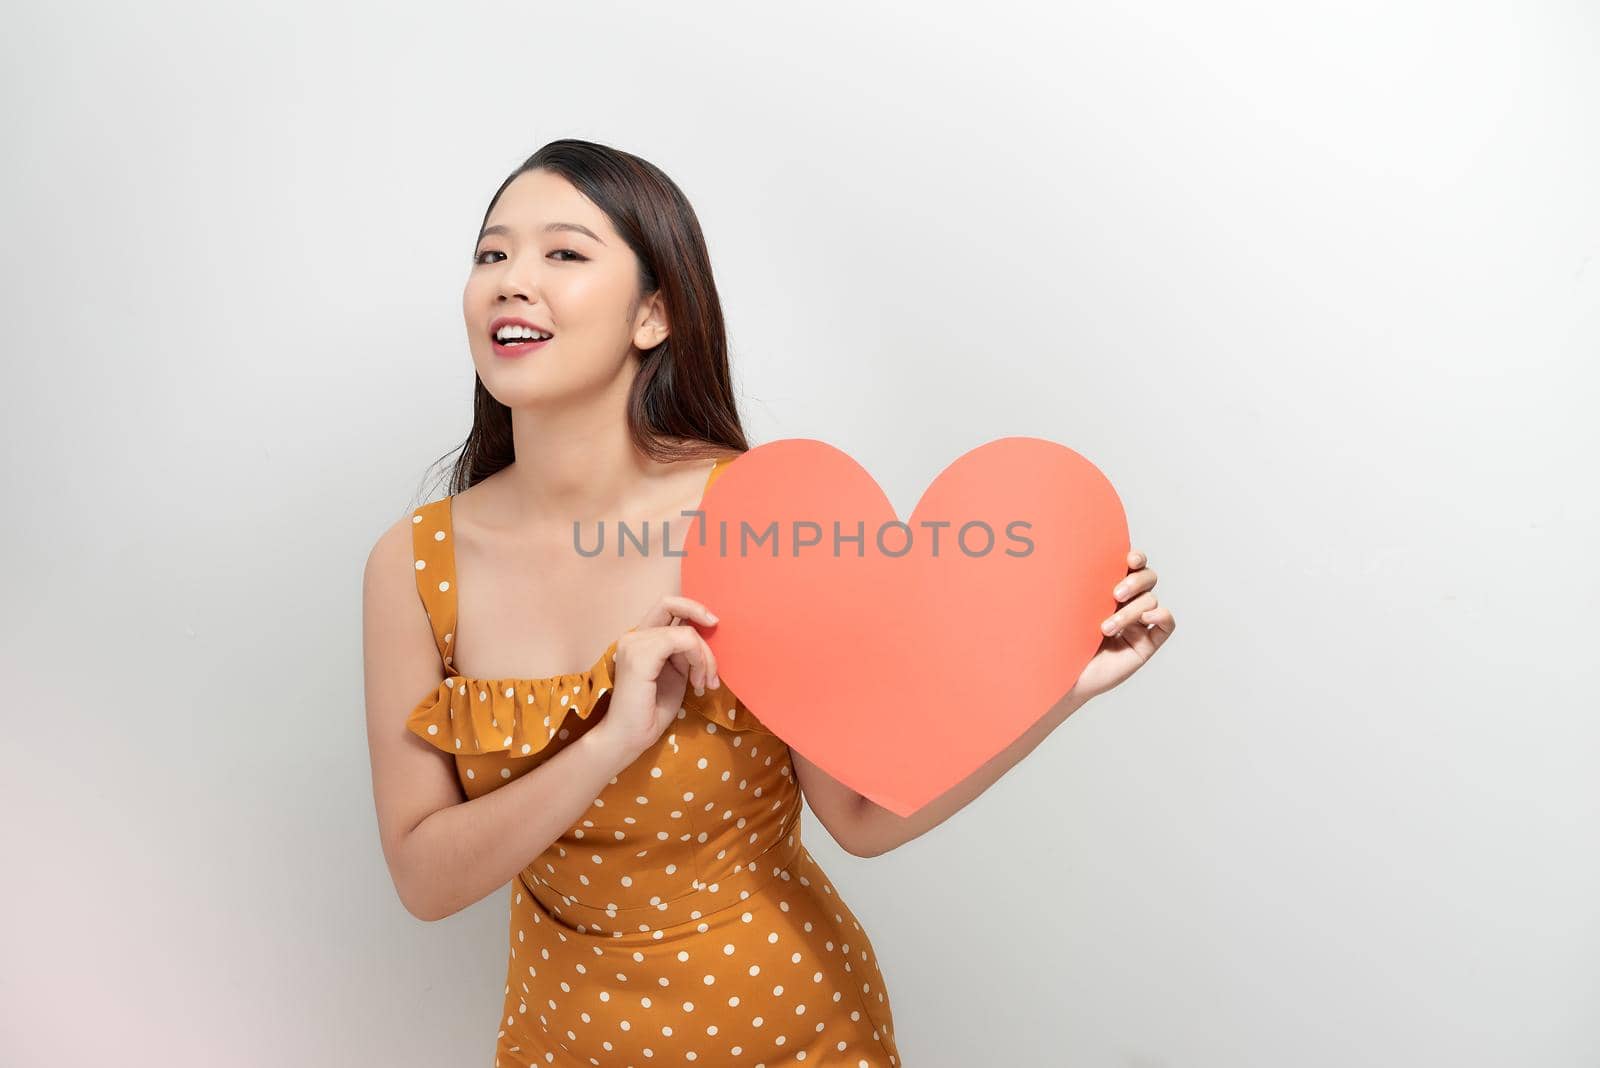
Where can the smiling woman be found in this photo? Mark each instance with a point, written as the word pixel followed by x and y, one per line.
pixel 662 905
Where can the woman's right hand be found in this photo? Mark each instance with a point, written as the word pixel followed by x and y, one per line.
pixel 657 660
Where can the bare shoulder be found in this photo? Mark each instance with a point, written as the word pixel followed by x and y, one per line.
pixel 398 637
pixel 390 561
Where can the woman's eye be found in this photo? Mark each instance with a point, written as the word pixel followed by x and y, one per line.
pixel 479 258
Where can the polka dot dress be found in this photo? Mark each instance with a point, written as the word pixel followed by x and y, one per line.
pixel 681 920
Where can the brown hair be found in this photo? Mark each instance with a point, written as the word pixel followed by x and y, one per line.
pixel 683 393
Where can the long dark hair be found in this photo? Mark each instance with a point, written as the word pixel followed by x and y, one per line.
pixel 681 405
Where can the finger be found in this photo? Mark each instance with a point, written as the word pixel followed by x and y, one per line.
pixel 1127 614
pixel 708 666
pixel 655 646
pixel 695 659
pixel 1136 559
pixel 680 660
pixel 713 680
pixel 1139 639
pixel 1135 582
pixel 1161 624
pixel 708 677
pixel 691 664
pixel 689 656
pixel 672 607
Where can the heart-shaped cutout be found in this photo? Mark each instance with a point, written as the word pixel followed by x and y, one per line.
pixel 900 656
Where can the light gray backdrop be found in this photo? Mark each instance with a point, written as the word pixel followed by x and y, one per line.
pixel 1316 285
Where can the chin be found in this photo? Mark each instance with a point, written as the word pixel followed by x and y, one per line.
pixel 523 394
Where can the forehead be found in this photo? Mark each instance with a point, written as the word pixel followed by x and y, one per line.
pixel 537 197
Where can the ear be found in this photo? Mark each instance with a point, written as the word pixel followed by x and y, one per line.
pixel 653 327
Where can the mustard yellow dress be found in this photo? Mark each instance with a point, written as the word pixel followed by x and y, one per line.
pixel 682 919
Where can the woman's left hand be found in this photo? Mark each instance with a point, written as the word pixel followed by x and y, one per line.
pixel 1132 634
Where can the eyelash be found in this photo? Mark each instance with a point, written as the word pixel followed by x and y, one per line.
pixel 478 259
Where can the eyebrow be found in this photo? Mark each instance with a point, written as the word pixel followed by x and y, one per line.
pixel 570 226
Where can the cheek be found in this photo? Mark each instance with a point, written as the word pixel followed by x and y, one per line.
pixel 587 293
pixel 475 312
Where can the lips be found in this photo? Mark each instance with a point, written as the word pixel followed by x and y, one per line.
pixel 518 346
pixel 512 320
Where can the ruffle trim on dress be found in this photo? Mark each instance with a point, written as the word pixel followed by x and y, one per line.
pixel 520 716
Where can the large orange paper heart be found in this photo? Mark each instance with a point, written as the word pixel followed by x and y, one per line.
pixel 901 656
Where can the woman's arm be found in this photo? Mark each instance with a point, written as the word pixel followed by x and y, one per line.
pixel 443 851
pixel 460 854
pixel 873 830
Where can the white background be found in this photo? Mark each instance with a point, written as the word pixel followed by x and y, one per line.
pixel 1316 285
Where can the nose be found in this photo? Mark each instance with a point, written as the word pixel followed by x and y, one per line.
pixel 514 282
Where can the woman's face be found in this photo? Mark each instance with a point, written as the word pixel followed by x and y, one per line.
pixel 578 285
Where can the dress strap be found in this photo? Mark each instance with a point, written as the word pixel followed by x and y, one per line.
pixel 716 472
pixel 433 551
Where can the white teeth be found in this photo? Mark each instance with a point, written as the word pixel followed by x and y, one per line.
pixel 512 332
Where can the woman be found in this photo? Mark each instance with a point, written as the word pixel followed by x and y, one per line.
pixel 662 906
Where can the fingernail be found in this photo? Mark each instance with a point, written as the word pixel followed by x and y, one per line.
pixel 1108 625
pixel 1120 592
pixel 712 616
